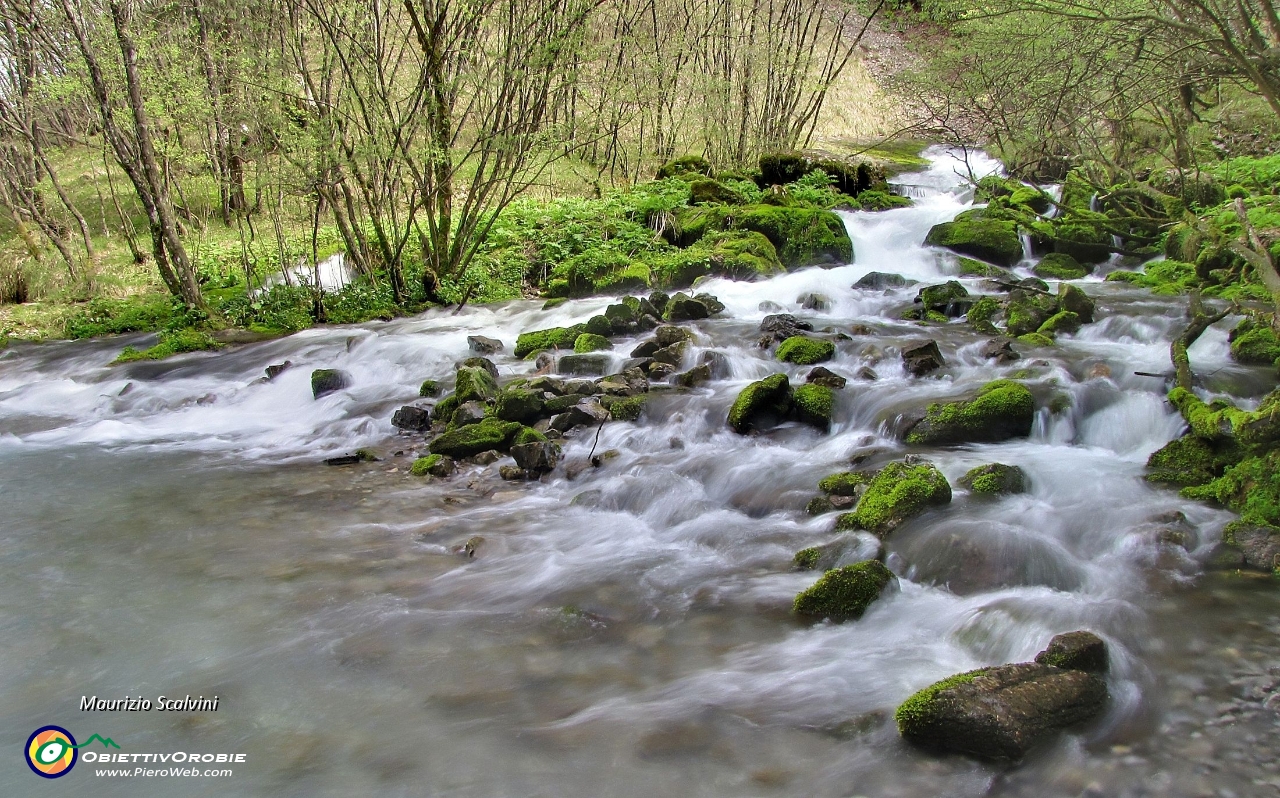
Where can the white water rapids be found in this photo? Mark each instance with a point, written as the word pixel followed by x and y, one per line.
pixel 169 528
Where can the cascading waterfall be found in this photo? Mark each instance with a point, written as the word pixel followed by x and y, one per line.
pixel 625 632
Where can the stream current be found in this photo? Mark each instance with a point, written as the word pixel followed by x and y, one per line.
pixel 169 528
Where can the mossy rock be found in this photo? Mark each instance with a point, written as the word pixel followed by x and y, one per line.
pixel 1063 322
pixel 554 338
pixel 807 559
pixel 804 351
pixel 1250 488
pixel 898 492
pixel 433 465
pixel 625 408
pixel 976 268
pixel 802 236
pixel 1058 266
pixel 429 388
pixel 1026 311
pixel 528 435
pixel 1036 339
pixel 327 381
pixel 706 191
pixel 845 592
pixel 1083 236
pixel 845 483
pixel 1002 410
pixel 475 385
pixel 1071 298
pixel 995 479
pixel 991 240
pixel 520 404
pixel 814 405
pixel 945 298
pixel 489 434
pixel 984 312
pixel 742 255
pixel 685 165
pixel 1254 343
pixel 591 342
pixel 444 409
pixel 875 200
pixel 761 403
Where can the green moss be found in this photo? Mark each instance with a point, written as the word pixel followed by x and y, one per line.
pixel 1190 461
pixel 1002 409
pixel 1036 339
pixel 1250 488
pixel 143 313
pixel 704 191
pixel 917 712
pixel 685 165
pixel 845 592
pixel 1083 235
pixel 1057 266
pixel 591 342
pixel 1064 322
pixel 807 559
pixel 898 492
pixel 555 338
pixel 984 311
pixel 429 388
pixel 801 236
pixel 845 483
pixel 519 404
pixel 976 268
pixel 995 479
pixel 1254 343
pixel 804 351
pixel 1162 277
pixel 171 343
pixel 991 240
pixel 490 433
pixel 814 405
pixel 1027 310
pixel 741 254
pixel 475 385
pixel 445 409
pixel 768 397
pixel 1212 422
pixel 423 465
pixel 528 435
pixel 819 505
pixel 881 201
pixel 628 408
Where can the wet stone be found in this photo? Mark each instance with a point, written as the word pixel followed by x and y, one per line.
pixel 415 419
pixel 483 344
pixel 922 357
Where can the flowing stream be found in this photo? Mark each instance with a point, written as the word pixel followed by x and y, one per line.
pixel 169 528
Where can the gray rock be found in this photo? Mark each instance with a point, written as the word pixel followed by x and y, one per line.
pixel 1000 350
pixel 718 362
pixel 1076 651
pixel 278 369
pixel 327 381
pixel 770 307
pixel 821 375
pixel 645 349
pixel 583 364
pixel 468 413
pixel 814 301
pixel 780 327
pixel 922 357
pixel 539 457
pixel 1258 543
pixel 412 418
pixel 588 412
pixel 879 281
pixel 694 376
pixel 480 363
pixel 483 345
pixel 667 335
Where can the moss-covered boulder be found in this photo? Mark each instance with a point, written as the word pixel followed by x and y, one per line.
pixel 491 433
pixel 706 191
pixel 761 404
pixel 434 465
pixel 1255 343
pixel 1071 298
pixel 992 240
pixel 804 351
pixel 950 299
pixel 520 404
pixel 1059 266
pixel 995 479
pixel 1036 339
pixel 741 254
pixel 845 592
pixel 802 236
pixel 475 385
pixel 1076 651
pixel 1027 310
pixel 983 313
pixel 1191 460
pixel 1002 409
pixel 1001 712
pixel 898 492
pixel 1084 236
pixel 591 342
pixel 554 338
pixel 814 405
pixel 692 165
pixel 1063 322
pixel 429 388
pixel 1250 488
pixel 625 408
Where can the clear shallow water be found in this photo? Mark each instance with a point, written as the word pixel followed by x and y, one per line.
pixel 168 529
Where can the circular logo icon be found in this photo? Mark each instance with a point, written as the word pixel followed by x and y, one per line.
pixel 51 752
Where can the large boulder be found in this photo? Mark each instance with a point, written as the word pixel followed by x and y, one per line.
pixel 802 236
pixel 779 327
pixel 761 404
pixel 880 281
pixel 845 592
pixel 520 404
pixel 489 434
pixel 805 351
pixel 1059 266
pixel 814 405
pixel 1027 310
pixel 1001 712
pixel 898 492
pixel 475 384
pixel 991 240
pixel 1071 298
pixel 950 299
pixel 1002 409
pixel 327 381
pixel 1259 543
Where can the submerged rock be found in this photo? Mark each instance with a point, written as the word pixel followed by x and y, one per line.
pixel 1001 712
pixel 761 404
pixel 1076 651
pixel 922 357
pixel 995 479
pixel 879 281
pixel 327 381
pixel 845 592
pixel 1002 409
pixel 898 492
